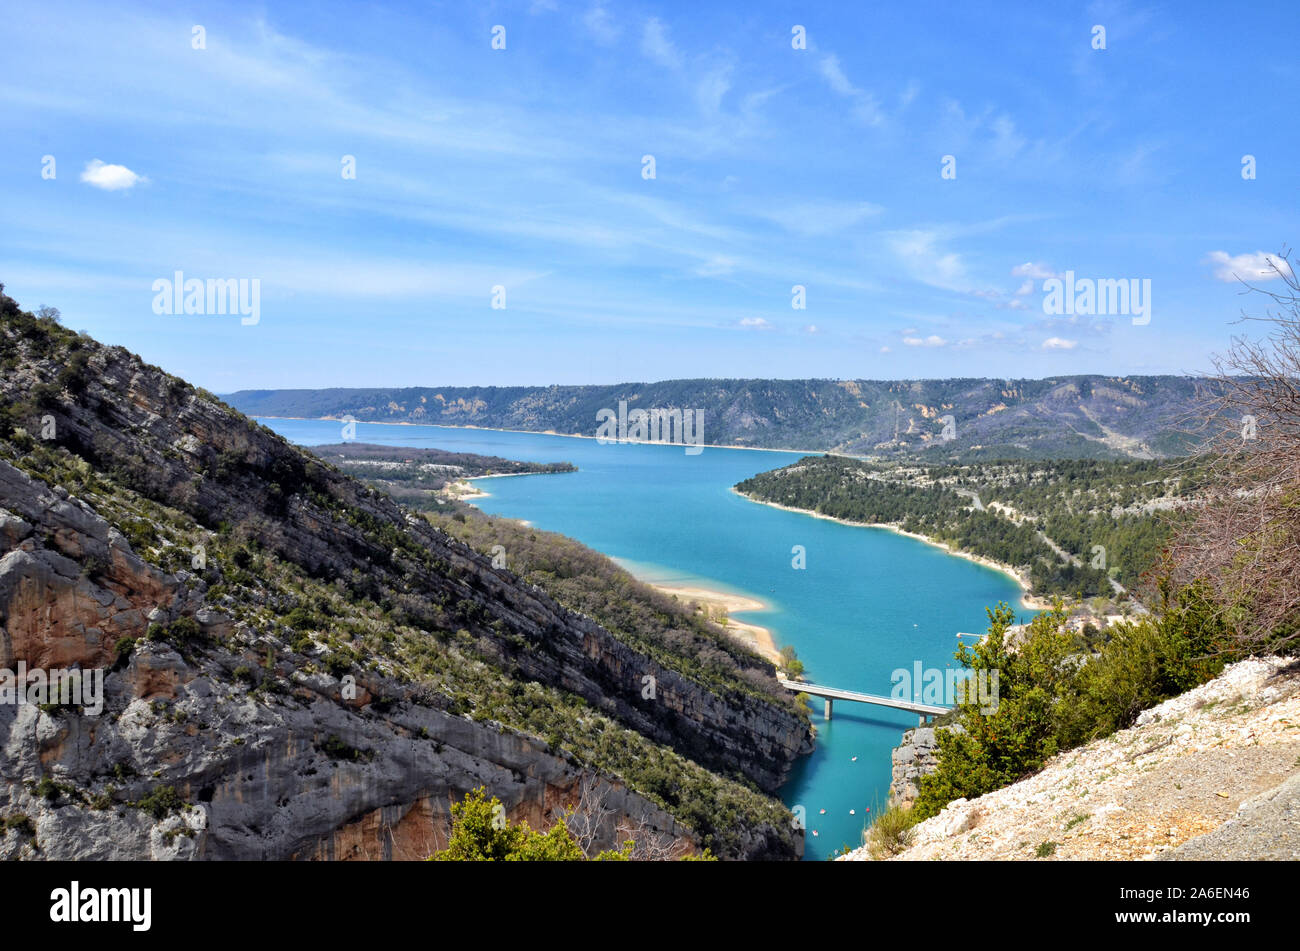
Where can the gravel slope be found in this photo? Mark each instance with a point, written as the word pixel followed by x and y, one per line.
pixel 1211 774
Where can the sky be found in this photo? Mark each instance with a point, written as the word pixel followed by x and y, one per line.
pixel 635 191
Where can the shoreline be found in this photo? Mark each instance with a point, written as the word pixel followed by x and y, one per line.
pixel 753 636
pixel 463 489
pixel 1028 600
pixel 544 432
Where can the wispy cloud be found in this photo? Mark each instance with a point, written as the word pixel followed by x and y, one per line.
pixel 601 25
pixel 866 107
pixel 657 46
pixel 1034 271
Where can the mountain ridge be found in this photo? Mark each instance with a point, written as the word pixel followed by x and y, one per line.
pixel 1072 416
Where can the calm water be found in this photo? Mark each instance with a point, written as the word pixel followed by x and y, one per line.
pixel 868 602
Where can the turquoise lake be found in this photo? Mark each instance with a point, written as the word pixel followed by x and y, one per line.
pixel 868 602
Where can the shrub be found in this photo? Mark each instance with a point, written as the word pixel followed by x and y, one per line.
pixel 124 648
pixel 891 832
pixel 1051 698
pixel 20 823
pixel 480 833
pixel 182 632
pixel 160 803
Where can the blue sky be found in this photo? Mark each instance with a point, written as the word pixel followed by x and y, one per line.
pixel 523 168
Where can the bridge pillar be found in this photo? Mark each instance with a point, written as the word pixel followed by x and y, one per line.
pixel 828 708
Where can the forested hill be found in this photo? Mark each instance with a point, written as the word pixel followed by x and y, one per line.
pixel 1078 528
pixel 1063 417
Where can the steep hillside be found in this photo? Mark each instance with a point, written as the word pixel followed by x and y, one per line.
pixel 318 670
pixel 1078 417
pixel 1211 774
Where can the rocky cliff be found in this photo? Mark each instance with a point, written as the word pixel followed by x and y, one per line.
pixel 916 755
pixel 315 668
pixel 1211 774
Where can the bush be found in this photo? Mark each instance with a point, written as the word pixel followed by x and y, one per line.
pixel 20 823
pixel 1051 698
pixel 1021 734
pixel 182 632
pixel 481 833
pixel 891 832
pixel 335 748
pixel 160 803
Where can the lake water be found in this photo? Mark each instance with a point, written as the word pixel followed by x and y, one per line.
pixel 868 602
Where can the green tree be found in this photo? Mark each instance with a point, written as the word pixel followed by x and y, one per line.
pixel 998 748
pixel 791 663
pixel 481 833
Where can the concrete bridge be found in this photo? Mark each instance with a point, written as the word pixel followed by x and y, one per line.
pixel 925 710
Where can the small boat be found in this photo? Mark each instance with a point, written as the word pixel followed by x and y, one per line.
pixel 854 760
pixel 814 831
pixel 853 812
pixel 823 812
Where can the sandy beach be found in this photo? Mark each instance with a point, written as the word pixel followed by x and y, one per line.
pixel 752 635
pixel 1027 600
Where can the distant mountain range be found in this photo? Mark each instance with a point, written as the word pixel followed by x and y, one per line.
pixel 1088 417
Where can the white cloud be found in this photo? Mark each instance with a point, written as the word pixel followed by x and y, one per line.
pixel 834 75
pixel 1059 343
pixel 656 44
pixel 866 106
pixel 712 86
pixel 1025 288
pixel 885 350
pixel 1007 142
pixel 917 251
pixel 931 341
pixel 600 25
pixel 811 329
pixel 111 178
pixel 755 323
pixel 1033 271
pixel 1248 267
pixel 716 265
pixel 819 217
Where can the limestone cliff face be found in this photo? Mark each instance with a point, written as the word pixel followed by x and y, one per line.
pixel 312 774
pixel 171 439
pixel 916 755
pixel 268 781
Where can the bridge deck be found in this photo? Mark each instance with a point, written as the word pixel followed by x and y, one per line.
pixel 834 693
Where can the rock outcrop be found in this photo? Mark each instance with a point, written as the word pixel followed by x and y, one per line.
pixel 916 755
pixel 1210 774
pixel 238 744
